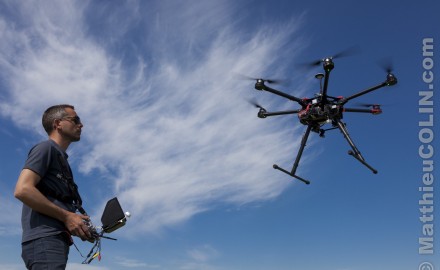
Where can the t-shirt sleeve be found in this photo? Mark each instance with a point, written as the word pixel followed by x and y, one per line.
pixel 39 159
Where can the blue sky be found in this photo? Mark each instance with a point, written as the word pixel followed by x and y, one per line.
pixel 168 129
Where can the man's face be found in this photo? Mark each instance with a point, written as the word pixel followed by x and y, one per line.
pixel 70 126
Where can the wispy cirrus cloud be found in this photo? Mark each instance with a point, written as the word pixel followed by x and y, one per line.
pixel 165 122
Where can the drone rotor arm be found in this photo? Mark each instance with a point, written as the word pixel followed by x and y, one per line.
pixel 266 114
pixel 361 93
pixel 325 86
pixel 282 94
pixel 372 111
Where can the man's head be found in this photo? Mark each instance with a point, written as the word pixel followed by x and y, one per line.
pixel 62 118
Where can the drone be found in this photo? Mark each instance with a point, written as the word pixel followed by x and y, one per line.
pixel 323 109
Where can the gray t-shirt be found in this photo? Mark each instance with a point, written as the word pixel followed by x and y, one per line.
pixel 48 160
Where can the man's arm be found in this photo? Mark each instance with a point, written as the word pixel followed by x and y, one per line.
pixel 27 192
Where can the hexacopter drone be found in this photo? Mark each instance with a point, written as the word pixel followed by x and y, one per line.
pixel 323 109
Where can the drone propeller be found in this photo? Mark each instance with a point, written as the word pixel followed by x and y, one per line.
pixel 255 103
pixel 350 51
pixel 353 50
pixel 387 65
pixel 245 77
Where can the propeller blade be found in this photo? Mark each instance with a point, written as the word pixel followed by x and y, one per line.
pixel 386 64
pixel 353 50
pixel 254 102
pixel 350 51
pixel 271 81
pixel 278 81
pixel 239 76
pixel 308 65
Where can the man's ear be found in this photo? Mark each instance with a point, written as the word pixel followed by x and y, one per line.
pixel 56 123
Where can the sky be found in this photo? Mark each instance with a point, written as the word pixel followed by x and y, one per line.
pixel 169 130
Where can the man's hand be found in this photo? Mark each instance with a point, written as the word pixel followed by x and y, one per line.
pixel 76 226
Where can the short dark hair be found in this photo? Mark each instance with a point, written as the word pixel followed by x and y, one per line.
pixel 52 113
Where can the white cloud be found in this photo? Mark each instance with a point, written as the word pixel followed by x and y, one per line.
pixel 132 263
pixel 78 266
pixel 173 127
pixel 203 253
pixel 11 266
pixel 11 211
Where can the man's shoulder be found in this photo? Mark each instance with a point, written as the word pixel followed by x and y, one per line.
pixel 39 157
pixel 45 146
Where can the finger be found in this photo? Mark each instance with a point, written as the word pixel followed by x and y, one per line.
pixel 91 240
pixel 86 231
pixel 81 231
pixel 85 217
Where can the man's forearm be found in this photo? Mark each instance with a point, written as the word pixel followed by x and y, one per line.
pixel 27 192
pixel 33 198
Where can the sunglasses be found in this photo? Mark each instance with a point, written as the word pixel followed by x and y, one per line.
pixel 74 119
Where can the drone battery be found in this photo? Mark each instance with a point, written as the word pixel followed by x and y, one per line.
pixel 113 217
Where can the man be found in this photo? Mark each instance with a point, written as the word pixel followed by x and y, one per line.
pixel 49 194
